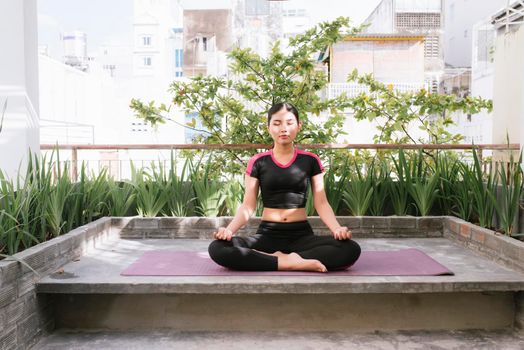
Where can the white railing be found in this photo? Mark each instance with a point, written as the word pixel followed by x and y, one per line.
pixel 117 159
pixel 62 132
pixel 354 89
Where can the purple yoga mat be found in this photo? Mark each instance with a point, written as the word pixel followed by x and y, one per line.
pixel 404 262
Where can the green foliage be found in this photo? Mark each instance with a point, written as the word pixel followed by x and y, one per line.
pixel 181 198
pixel 508 205
pixel 447 166
pixel 151 190
pixel 233 110
pixel 208 194
pixel 380 178
pixel 421 182
pixel 395 111
pixel 233 196
pixel 424 192
pixel 310 204
pixel 399 190
pixel 335 188
pixel 45 202
pixel 14 232
pixel 121 198
pixel 358 194
pixel 482 192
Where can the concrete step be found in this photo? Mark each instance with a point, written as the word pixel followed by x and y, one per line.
pixel 91 294
pixel 139 340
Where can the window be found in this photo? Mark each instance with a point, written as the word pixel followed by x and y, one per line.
pixel 139 127
pixel 147 61
pixel 204 43
pixel 485 42
pixel 257 7
pixel 146 40
pixel 178 58
pixel 178 74
pixel 431 47
pixel 294 13
pixel 413 20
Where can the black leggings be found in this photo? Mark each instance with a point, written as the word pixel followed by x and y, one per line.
pixel 298 237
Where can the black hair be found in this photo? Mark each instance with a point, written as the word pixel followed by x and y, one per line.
pixel 278 106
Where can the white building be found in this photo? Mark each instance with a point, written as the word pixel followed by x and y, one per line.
pixel 99 95
pixel 415 17
pixel 393 59
pixel 508 81
pixel 257 24
pixel 86 105
pixel 468 44
pixel 76 107
pixel 459 20
pixel 19 99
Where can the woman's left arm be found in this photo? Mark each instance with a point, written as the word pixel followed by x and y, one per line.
pixel 324 210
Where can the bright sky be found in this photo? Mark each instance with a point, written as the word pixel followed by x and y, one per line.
pixel 110 21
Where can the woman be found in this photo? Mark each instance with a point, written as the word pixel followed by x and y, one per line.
pixel 284 239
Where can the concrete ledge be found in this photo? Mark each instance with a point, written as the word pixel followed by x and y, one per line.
pixel 269 312
pixel 494 246
pixel 202 228
pixel 66 339
pixel 257 285
pixel 25 316
pixel 99 272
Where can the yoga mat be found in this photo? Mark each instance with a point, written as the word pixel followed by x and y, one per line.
pixel 404 262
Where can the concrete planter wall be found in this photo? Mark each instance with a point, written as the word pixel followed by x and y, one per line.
pixel 26 316
pixel 199 227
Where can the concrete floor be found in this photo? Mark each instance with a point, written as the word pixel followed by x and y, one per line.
pixel 423 340
pixel 99 272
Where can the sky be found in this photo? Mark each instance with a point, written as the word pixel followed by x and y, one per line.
pixel 110 21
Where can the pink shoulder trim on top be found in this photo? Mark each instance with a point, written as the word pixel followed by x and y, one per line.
pixel 314 156
pixel 253 160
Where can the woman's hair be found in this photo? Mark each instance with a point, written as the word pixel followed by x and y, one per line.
pixel 277 107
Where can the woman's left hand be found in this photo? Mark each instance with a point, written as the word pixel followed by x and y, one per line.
pixel 342 232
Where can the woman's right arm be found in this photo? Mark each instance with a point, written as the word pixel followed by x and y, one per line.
pixel 244 212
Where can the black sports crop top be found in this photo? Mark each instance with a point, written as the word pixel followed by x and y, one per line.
pixel 284 186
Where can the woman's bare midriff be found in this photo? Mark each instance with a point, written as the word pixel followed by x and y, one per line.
pixel 284 215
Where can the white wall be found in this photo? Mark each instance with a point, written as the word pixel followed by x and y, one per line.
pixel 381 19
pixel 18 84
pixel 71 96
pixel 459 19
pixel 508 90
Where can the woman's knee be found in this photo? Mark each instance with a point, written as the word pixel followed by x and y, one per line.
pixel 352 251
pixel 219 250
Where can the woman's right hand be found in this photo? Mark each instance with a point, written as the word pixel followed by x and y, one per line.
pixel 223 233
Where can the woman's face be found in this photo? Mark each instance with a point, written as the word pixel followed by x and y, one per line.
pixel 283 127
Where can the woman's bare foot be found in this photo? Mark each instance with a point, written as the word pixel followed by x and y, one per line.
pixel 295 262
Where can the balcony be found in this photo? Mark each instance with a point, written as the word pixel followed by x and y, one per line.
pixel 353 89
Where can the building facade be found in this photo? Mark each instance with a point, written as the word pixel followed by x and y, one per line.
pixel 418 18
pixel 208 37
pixel 393 59
pixel 508 81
